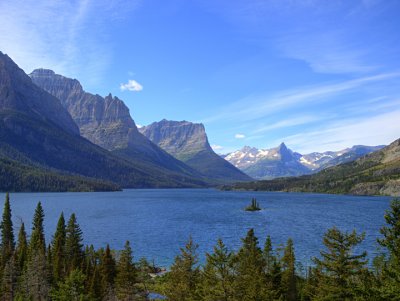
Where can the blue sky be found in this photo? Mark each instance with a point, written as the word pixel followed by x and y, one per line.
pixel 318 75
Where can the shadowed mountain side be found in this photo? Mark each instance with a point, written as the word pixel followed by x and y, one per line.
pixel 38 136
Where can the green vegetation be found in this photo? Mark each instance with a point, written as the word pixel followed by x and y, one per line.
pixel 254 206
pixel 375 174
pixel 66 270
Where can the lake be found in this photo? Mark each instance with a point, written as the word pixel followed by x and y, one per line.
pixel 159 221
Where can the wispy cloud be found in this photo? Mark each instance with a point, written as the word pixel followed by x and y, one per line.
pixel 240 136
pixel 255 107
pixel 294 121
pixel 131 85
pixel 379 129
pixel 62 35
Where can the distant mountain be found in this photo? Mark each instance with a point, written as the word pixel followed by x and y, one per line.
pixel 283 162
pixel 267 163
pixel 108 123
pixel 188 142
pixel 377 173
pixel 318 161
pixel 37 131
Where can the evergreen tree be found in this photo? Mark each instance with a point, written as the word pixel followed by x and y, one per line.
pixel 339 268
pixel 72 289
pixel 58 250
pixel 268 255
pixel 250 266
pixel 74 253
pixel 390 282
pixel 21 251
pixel 126 275
pixel 218 275
pixel 107 270
pixel 36 284
pixel 37 241
pixel 7 233
pixel 95 288
pixel 183 279
pixel 289 281
pixel 9 281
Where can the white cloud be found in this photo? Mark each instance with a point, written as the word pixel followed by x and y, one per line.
pixel 139 126
pixel 240 136
pixel 216 147
pixel 131 85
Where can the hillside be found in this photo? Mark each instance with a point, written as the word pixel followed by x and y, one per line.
pixel 377 173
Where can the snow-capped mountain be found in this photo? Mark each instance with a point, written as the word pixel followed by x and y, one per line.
pixel 282 162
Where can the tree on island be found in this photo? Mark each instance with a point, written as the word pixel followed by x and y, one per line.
pixel 254 206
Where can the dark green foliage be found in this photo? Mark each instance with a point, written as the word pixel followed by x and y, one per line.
pixel 339 267
pixel 390 270
pixel 21 251
pixel 107 270
pixel 250 265
pixel 289 278
pixel 126 275
pixel 183 279
pixel 250 274
pixel 72 289
pixel 218 275
pixel 254 206
pixel 37 242
pixel 7 233
pixel 58 250
pixel 74 253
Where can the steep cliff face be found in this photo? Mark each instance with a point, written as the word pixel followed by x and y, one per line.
pixel 181 139
pixel 188 142
pixel 17 93
pixel 104 121
pixel 107 122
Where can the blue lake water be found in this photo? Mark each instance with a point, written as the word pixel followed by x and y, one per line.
pixel 159 221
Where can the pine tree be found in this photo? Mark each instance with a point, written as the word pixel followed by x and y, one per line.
pixel 74 253
pixel 126 275
pixel 390 282
pixel 289 281
pixel 7 233
pixel 21 250
pixel 72 289
pixel 339 268
pixel 250 266
pixel 218 275
pixel 9 281
pixel 107 270
pixel 183 279
pixel 37 242
pixel 58 250
pixel 95 288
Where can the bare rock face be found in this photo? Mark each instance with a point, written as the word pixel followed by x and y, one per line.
pixel 18 93
pixel 188 142
pixel 182 139
pixel 104 121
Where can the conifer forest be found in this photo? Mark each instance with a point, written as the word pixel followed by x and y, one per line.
pixel 32 268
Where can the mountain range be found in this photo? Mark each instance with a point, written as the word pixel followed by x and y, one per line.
pixel 283 162
pixel 55 137
pixel 377 173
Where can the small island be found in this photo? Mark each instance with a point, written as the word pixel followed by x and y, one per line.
pixel 254 206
